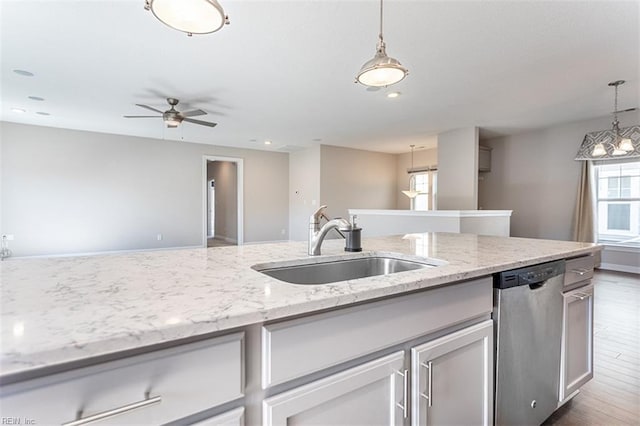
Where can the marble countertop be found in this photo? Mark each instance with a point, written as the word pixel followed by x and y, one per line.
pixel 65 309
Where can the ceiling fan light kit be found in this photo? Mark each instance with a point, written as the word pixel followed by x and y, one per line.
pixel 189 16
pixel 382 70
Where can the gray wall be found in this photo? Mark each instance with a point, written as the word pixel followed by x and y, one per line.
pixel 535 175
pixel 341 178
pixel 67 191
pixel 225 175
pixel 357 179
pixel 458 169
pixel 304 190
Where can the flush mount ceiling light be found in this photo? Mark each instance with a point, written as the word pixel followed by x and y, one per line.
pixel 382 70
pixel 189 16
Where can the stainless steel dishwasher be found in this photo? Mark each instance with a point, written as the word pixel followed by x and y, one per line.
pixel 528 325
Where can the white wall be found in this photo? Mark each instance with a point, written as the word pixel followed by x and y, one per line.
pixel 358 179
pixel 535 175
pixel 421 158
pixel 458 169
pixel 304 190
pixel 68 191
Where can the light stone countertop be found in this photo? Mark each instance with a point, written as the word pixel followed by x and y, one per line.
pixel 63 309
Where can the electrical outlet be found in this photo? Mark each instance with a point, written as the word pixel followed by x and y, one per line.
pixel 282 231
pixel 159 237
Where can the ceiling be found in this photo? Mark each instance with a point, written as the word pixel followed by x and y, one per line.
pixel 284 70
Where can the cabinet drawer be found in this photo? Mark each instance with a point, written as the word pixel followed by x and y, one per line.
pixel 168 384
pixel 578 269
pixel 295 348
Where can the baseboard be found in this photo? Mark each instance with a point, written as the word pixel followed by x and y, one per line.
pixel 620 268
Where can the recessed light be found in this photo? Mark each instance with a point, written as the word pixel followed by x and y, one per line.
pixel 267 142
pixel 42 113
pixel 253 140
pixel 18 110
pixel 23 73
pixel 36 98
pixel 393 94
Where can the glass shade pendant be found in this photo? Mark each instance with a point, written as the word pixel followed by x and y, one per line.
pixel 189 16
pixel 411 193
pixel 625 145
pixel 618 151
pixel 382 70
pixel 598 150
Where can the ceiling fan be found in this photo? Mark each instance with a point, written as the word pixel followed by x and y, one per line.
pixel 173 117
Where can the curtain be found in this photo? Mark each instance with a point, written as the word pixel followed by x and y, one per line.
pixel 584 219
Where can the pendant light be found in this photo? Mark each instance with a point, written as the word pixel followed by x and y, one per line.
pixel 411 193
pixel 621 145
pixel 382 70
pixel 189 16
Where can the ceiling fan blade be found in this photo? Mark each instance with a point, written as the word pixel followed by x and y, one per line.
pixel 626 110
pixel 193 113
pixel 142 116
pixel 202 123
pixel 151 108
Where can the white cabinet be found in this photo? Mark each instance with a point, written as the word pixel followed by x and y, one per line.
pixel 576 365
pixel 229 418
pixel 484 159
pixel 374 393
pixel 153 388
pixel 452 378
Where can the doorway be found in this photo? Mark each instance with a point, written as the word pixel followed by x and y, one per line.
pixel 222 201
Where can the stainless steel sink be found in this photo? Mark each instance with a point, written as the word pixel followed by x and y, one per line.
pixel 334 269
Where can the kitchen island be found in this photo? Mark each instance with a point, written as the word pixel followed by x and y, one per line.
pixel 59 314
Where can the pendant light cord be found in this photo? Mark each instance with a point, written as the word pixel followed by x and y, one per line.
pixel 615 105
pixel 380 34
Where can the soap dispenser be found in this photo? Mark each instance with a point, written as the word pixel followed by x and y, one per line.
pixel 353 236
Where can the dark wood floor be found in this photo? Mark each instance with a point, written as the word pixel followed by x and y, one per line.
pixel 612 397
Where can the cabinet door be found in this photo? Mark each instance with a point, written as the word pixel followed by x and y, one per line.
pixel 452 378
pixel 371 394
pixel 576 366
pixel 229 418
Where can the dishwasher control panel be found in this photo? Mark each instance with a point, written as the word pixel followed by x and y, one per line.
pixel 529 275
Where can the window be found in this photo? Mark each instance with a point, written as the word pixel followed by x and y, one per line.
pixel 425 184
pixel 618 202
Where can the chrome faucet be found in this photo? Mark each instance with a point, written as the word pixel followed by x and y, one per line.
pixel 317 233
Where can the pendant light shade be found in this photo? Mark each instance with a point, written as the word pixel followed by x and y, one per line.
pixel 189 16
pixel 382 70
pixel 598 150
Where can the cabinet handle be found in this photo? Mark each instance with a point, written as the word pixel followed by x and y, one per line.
pixel 427 396
pixel 405 392
pixel 580 271
pixel 148 401
pixel 581 296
